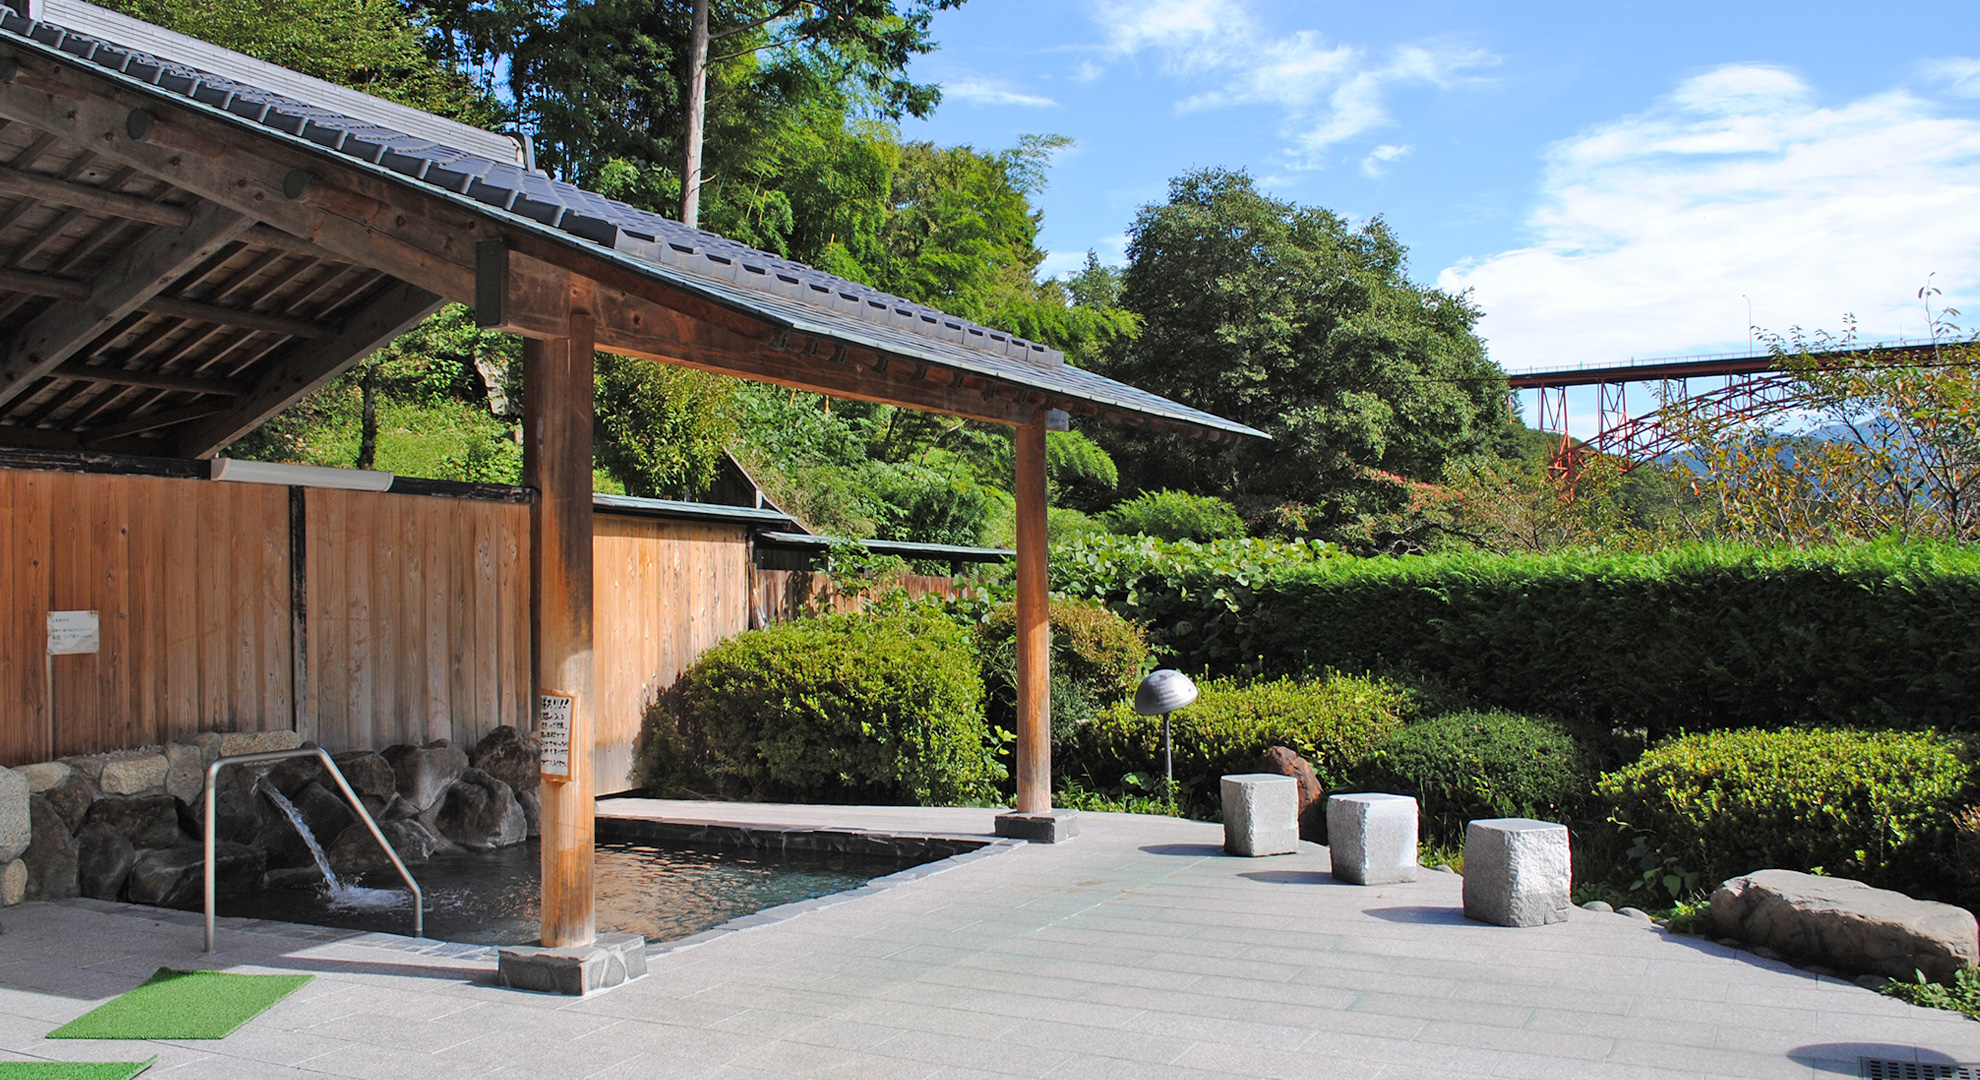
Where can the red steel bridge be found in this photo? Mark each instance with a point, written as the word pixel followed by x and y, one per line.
pixel 1736 388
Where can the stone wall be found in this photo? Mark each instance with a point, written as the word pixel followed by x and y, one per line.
pixel 130 825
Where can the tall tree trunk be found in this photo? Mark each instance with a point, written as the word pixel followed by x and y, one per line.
pixel 697 106
pixel 368 422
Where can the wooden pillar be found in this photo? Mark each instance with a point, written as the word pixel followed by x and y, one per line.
pixel 557 408
pixel 1034 641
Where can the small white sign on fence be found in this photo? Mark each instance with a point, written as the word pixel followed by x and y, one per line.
pixel 72 632
pixel 553 734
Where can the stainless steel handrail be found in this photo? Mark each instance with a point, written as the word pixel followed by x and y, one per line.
pixel 213 772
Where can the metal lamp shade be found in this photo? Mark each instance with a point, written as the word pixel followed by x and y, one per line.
pixel 1163 691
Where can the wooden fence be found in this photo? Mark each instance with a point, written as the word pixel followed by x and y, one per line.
pixel 358 619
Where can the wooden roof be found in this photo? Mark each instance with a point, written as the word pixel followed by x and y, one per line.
pixel 183 254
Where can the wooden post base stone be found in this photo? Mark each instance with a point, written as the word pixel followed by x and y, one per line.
pixel 610 960
pixel 1047 828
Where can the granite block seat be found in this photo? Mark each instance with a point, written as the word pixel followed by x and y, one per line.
pixel 1371 837
pixel 1261 814
pixel 1516 872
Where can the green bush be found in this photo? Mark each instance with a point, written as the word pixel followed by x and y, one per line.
pixel 841 708
pixel 1692 638
pixel 1332 722
pixel 1470 765
pixel 1175 515
pixel 1097 658
pixel 1875 806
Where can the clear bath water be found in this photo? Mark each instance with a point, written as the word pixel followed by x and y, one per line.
pixel 663 892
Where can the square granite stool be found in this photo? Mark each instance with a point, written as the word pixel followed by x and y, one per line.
pixel 1372 838
pixel 1516 872
pixel 1261 814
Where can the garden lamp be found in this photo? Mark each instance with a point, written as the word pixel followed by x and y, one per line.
pixel 1162 692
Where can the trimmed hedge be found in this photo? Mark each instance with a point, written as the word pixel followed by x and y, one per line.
pixel 1333 723
pixel 1465 766
pixel 1692 638
pixel 841 708
pixel 1879 807
pixel 1097 658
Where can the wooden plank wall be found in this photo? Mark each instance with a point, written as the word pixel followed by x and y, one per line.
pixel 784 595
pixel 663 593
pixel 418 618
pixel 191 583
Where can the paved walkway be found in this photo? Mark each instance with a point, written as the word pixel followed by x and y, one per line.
pixel 1137 950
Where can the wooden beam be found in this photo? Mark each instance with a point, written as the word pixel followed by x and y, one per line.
pixel 299 369
pixel 1034 635
pixel 48 189
pixel 62 288
pixel 363 220
pixel 557 408
pixel 163 418
pixel 130 279
pixel 151 379
pixel 226 316
pixel 266 236
pixel 521 294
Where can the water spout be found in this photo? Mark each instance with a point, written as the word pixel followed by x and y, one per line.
pixel 337 890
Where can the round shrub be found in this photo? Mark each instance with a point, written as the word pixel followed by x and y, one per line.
pixel 1097 658
pixel 1879 807
pixel 842 708
pixel 1176 515
pixel 1332 722
pixel 1469 765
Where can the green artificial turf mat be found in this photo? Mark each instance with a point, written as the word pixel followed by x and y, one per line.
pixel 183 1005
pixel 73 1070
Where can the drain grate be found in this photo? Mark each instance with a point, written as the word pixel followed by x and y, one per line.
pixel 1884 1069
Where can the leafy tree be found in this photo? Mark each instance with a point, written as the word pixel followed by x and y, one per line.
pixel 1176 515
pixel 1288 319
pixel 659 429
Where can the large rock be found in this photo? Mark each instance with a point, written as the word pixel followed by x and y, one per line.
pixel 71 798
pixel 13 883
pixel 242 812
pixel 325 812
pixel 511 757
pixel 236 743
pixel 51 855
pixel 370 775
pixel 1371 838
pixel 291 776
pixel 104 857
pixel 185 772
pixel 174 876
pixel 480 813
pixel 532 807
pixel 90 766
pixel 148 822
pixel 282 844
pixel 1847 925
pixel 424 773
pixel 1281 761
pixel 16 824
pixel 43 775
pixel 1517 872
pixel 1260 814
pixel 133 772
pixel 356 851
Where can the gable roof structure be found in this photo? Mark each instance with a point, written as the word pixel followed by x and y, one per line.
pixel 196 239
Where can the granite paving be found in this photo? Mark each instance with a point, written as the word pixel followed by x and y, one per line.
pixel 1137 950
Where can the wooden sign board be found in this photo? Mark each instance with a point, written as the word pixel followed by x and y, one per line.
pixel 72 632
pixel 553 734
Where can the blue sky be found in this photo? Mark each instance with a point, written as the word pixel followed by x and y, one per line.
pixel 1611 180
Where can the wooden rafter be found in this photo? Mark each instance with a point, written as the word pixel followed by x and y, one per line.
pixel 300 368
pixel 48 189
pixel 120 288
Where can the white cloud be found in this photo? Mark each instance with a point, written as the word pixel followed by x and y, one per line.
pixel 1378 160
pixel 985 92
pixel 1961 74
pixel 1329 92
pixel 1652 228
